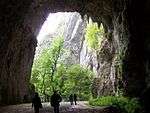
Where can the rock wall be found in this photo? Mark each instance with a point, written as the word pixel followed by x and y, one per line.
pixel 72 28
pixel 16 66
pixel 107 62
pixel 16 52
pixel 136 60
pixel 74 36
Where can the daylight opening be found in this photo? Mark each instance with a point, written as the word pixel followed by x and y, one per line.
pixel 66 56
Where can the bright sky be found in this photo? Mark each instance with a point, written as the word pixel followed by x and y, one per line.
pixel 50 25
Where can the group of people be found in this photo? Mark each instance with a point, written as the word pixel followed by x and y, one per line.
pixel 54 100
pixel 73 98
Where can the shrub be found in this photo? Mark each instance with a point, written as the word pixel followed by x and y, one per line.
pixel 126 105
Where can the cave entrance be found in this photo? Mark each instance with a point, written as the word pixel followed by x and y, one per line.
pixel 63 58
pixel 18 44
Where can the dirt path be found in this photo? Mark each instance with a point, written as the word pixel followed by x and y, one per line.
pixel 65 107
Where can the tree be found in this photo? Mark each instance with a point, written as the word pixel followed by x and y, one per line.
pixel 78 81
pixel 55 52
pixel 50 72
pixel 45 66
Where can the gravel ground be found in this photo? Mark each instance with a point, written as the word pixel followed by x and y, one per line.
pixel 65 107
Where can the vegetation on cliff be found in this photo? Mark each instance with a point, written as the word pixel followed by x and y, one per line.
pixel 94 35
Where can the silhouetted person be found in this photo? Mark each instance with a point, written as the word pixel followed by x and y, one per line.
pixel 36 103
pixel 75 98
pixel 71 99
pixel 25 98
pixel 55 100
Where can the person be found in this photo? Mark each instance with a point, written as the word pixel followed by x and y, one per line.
pixel 75 98
pixel 71 99
pixel 55 100
pixel 36 102
pixel 25 98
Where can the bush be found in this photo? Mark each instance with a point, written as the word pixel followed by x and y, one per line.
pixel 126 105
pixel 94 35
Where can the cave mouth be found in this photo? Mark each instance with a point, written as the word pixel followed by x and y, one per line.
pixel 59 58
pixel 127 26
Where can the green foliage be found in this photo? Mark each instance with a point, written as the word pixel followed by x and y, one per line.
pixel 70 79
pixel 78 81
pixel 44 67
pixel 94 35
pixel 49 72
pixel 126 105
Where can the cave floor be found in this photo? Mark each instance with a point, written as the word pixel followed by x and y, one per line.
pixel 65 107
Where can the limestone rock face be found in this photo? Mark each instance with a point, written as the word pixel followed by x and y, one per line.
pixel 104 63
pixel 71 27
pixel 74 38
pixel 105 75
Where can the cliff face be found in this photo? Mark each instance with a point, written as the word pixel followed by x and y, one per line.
pixel 74 36
pixel 107 61
pixel 72 28
pixel 126 24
